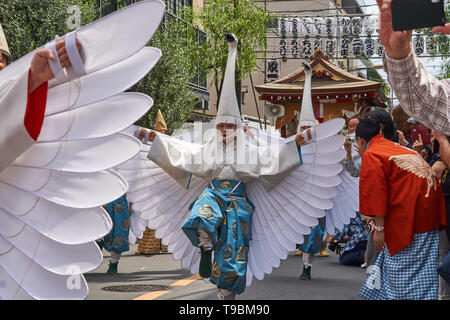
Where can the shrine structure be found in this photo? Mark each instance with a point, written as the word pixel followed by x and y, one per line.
pixel 335 93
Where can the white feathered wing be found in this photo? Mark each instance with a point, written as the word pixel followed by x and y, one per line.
pixel 50 196
pixel 281 217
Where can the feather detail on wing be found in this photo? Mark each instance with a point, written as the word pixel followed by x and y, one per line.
pixel 288 211
pixel 282 215
pixel 160 203
pixel 415 164
pixel 345 204
pixel 51 195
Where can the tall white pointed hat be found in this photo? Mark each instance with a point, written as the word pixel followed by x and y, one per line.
pixel 307 117
pixel 228 111
pixel 4 45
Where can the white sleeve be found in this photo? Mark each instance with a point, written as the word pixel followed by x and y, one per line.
pixel 181 159
pixel 14 139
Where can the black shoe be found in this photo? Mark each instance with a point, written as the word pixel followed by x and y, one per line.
pixel 112 268
pixel 205 264
pixel 306 275
pixel 100 243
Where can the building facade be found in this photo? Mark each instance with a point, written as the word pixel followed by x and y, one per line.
pixel 198 83
pixel 285 53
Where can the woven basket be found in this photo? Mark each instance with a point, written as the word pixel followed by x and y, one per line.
pixel 150 244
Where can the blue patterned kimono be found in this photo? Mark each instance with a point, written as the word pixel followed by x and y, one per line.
pixel 313 242
pixel 224 212
pixel 117 239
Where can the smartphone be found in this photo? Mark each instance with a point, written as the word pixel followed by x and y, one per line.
pixel 423 131
pixel 416 14
pixel 435 146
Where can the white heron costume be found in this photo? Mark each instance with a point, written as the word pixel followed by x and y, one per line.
pixel 52 189
pixel 290 187
pixel 346 202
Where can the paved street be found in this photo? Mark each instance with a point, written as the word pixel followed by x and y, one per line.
pixel 330 280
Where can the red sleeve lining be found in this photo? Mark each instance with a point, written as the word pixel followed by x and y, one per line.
pixel 34 114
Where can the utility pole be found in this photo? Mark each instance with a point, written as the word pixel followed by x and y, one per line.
pixel 265 73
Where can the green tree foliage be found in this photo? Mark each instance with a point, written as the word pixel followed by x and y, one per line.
pixel 168 83
pixel 245 19
pixel 443 43
pixel 373 74
pixel 29 24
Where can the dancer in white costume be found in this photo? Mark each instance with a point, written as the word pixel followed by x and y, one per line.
pixel 51 189
pixel 345 200
pixel 289 197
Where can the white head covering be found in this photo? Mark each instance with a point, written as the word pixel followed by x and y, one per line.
pixel 228 111
pixel 4 44
pixel 307 118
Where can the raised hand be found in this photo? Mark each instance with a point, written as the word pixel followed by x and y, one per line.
pixel 151 136
pixel 418 144
pixel 442 29
pixel 300 139
pixel 401 138
pixel 438 136
pixel 348 148
pixel 396 43
pixel 40 67
pixel 62 53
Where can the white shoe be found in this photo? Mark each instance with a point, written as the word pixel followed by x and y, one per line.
pixel 364 265
pixel 224 294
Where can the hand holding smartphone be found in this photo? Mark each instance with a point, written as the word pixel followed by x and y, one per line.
pixel 416 14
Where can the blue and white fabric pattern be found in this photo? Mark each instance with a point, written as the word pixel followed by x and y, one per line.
pixel 224 212
pixel 117 240
pixel 354 231
pixel 313 242
pixel 410 274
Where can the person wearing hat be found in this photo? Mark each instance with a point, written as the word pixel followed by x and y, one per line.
pixel 314 242
pixel 222 216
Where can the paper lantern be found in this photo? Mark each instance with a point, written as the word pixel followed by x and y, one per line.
pixel 379 48
pixel 295 26
pixel 330 26
pixel 294 47
pixel 419 45
pixel 283 26
pixel 307 27
pixel 369 46
pixel 431 45
pixel 330 46
pixel 306 48
pixel 357 46
pixel 346 26
pixel 317 44
pixel 356 26
pixel 318 26
pixel 345 46
pixel 283 47
pixel 369 25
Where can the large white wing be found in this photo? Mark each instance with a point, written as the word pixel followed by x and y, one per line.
pixel 281 216
pixel 345 204
pixel 288 211
pixel 51 196
pixel 160 203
